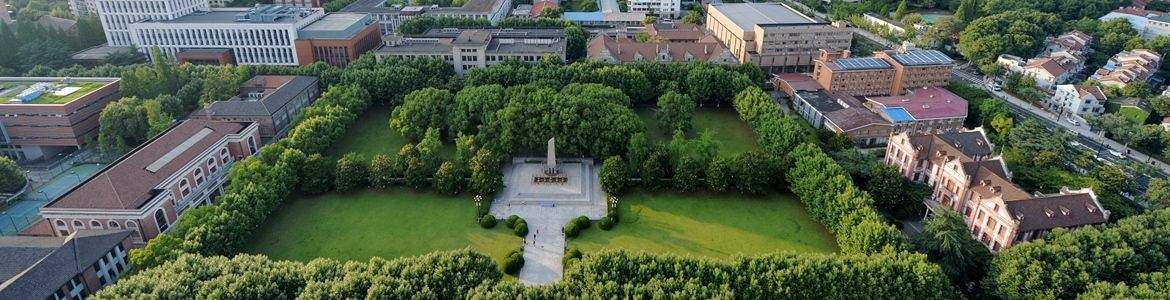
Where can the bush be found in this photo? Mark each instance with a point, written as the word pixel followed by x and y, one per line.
pixel 572 229
pixel 606 223
pixel 615 175
pixel 571 255
pixel 583 222
pixel 487 221
pixel 511 221
pixel 352 172
pixel 521 228
pixel 11 179
pixel 514 262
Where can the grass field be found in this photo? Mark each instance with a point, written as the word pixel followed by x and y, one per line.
pixel 386 224
pixel 734 133
pixel 1135 114
pixel 715 226
pixel 371 135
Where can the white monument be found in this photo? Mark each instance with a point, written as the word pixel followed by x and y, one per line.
pixel 551 173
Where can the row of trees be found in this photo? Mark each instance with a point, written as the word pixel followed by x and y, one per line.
pixel 25 44
pixel 617 274
pixel 687 165
pixel 418 167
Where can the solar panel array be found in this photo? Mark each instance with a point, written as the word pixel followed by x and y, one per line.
pixel 923 57
pixel 861 63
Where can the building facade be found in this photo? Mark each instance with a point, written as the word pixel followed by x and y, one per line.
pixel 263 35
pixel 1147 22
pixel 390 15
pixel 624 50
pixel 965 178
pixel 43 116
pixel 917 68
pixel 662 8
pixel 68 267
pixel 148 189
pixel 774 36
pixel 117 15
pixel 273 101
pixel 80 8
pixel 337 39
pixel 1081 100
pixel 864 76
pixel 300 3
pixel 1048 70
pixel 842 114
pixel 467 49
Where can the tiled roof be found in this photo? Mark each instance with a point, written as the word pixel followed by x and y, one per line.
pixel 967 143
pixel 798 81
pixel 1089 90
pixel 1066 209
pixel 127 184
pixel 43 264
pixel 676 31
pixel 539 6
pixel 627 50
pixel 277 92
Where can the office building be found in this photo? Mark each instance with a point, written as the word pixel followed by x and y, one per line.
pixel 917 68
pixel 262 35
pixel 965 178
pixel 80 8
pixel 300 3
pixel 116 15
pixel 924 110
pixel 1148 23
pixel 44 116
pixel 466 49
pixel 774 36
pixel 842 114
pixel 272 101
pixel 147 190
pixel 390 15
pixel 337 39
pixel 604 19
pixel 67 267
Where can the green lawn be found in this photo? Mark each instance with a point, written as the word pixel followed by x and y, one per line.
pixel 371 135
pixel 716 226
pixel 1133 113
pixel 386 224
pixel 736 135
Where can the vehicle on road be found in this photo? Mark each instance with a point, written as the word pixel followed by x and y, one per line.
pixel 1116 153
pixel 1073 121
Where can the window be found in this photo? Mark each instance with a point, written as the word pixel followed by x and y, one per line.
pixel 251 145
pixel 95 224
pixel 78 225
pixel 198 176
pixel 114 225
pixel 223 156
pixel 62 229
pixel 184 188
pixel 133 229
pixel 211 167
pixel 160 218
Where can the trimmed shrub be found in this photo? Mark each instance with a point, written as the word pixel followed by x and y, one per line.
pixel 514 262
pixel 582 222
pixel 572 254
pixel 521 228
pixel 487 221
pixel 572 229
pixel 511 221
pixel 606 223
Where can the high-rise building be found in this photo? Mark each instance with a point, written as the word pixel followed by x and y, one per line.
pixel 116 15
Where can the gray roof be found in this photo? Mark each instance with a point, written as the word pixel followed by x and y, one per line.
pixel 34 267
pixel 748 15
pixel 267 14
pixel 923 58
pixel 861 63
pixel 370 6
pixel 380 7
pixel 1056 211
pixel 269 103
pixel 336 26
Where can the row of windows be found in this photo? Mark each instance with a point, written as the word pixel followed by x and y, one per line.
pixel 214 37
pixel 63 229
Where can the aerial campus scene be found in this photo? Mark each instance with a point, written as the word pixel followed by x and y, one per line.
pixel 547 149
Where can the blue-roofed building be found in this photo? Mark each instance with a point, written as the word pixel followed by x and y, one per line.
pixel 842 114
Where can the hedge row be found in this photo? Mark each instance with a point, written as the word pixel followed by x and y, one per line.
pixel 605 275
pixel 819 182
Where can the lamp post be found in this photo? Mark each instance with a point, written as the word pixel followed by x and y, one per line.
pixel 478 203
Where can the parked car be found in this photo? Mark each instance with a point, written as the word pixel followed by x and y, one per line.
pixel 1116 153
pixel 1073 121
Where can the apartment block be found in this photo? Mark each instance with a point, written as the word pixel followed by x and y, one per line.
pixel 774 36
pixel 43 116
pixel 863 76
pixel 1081 100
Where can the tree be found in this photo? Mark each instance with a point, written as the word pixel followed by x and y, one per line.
pixel 675 111
pixel 638 150
pixel 754 171
pixel 614 176
pixel 11 177
pixel 870 236
pixel 50 53
pixel 122 126
pixel 649 20
pixel 318 175
pixel 382 172
pixel 901 11
pixel 1017 33
pixel 576 39
pixel 968 10
pixel 428 150
pixel 894 194
pixel 654 170
pixel 352 172
pixel 446 180
pixel 693 17
pixel 720 173
pixel 8 47
pixel 688 174
pixel 947 242
pixel 1158 193
pixel 486 178
pixel 422 109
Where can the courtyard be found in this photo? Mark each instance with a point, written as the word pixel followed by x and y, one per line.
pixel 710 225
pixel 386 224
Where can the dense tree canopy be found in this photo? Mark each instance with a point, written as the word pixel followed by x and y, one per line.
pixel 1017 32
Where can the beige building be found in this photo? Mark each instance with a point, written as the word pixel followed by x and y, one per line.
pixel 862 76
pixel 774 36
pixel 466 49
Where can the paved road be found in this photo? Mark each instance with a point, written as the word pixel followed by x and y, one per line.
pixel 1082 130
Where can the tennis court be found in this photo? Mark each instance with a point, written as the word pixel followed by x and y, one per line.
pixel 22 212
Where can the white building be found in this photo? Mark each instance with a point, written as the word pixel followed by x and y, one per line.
pixel 263 35
pixel 1082 100
pixel 81 7
pixel 1147 22
pixel 116 15
pixel 1048 70
pixel 1128 67
pixel 668 8
pixel 390 15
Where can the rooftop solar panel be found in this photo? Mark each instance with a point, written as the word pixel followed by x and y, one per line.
pixel 923 57
pixel 861 63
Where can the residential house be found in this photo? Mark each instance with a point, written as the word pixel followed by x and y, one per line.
pixel 1128 67
pixel 1081 100
pixel 1048 69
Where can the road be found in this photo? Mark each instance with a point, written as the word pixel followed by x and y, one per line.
pixel 1084 133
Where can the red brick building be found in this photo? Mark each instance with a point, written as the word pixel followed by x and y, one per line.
pixel 148 189
pixel 337 39
pixel 43 116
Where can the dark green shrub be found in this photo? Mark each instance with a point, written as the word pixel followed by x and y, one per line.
pixel 514 262
pixel 582 222
pixel 571 254
pixel 606 223
pixel 572 229
pixel 511 221
pixel 487 221
pixel 521 228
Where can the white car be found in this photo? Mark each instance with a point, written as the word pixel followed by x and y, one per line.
pixel 1116 153
pixel 1073 121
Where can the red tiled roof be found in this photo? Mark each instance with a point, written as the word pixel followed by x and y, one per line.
pixel 627 50
pixel 127 184
pixel 540 5
pixel 798 82
pixel 927 103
